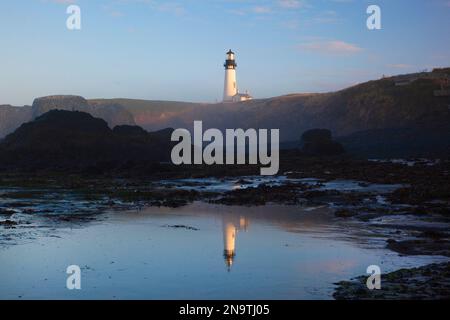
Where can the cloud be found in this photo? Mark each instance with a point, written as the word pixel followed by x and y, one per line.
pixel 237 12
pixel 136 1
pixel 261 10
pixel 335 47
pixel 329 16
pixel 63 1
pixel 116 14
pixel 266 7
pixel 172 7
pixel 258 10
pixel 290 4
pixel 290 24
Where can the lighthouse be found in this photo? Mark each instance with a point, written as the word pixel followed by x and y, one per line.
pixel 230 91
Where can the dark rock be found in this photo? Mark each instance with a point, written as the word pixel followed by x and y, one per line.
pixel 20 204
pixel 243 182
pixel 8 223
pixel 181 227
pixel 127 131
pixel 345 213
pixel 316 136
pixel 319 142
pixel 6 212
pixel 428 282
pixel 423 246
pixel 73 139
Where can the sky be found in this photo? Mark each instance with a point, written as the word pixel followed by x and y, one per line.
pixel 175 50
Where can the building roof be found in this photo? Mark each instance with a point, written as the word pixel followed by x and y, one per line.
pixel 243 95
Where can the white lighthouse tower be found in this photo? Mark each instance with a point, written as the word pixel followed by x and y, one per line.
pixel 230 91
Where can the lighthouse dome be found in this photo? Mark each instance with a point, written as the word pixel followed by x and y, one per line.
pixel 230 55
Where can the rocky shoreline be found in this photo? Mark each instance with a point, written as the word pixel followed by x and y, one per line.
pixel 430 282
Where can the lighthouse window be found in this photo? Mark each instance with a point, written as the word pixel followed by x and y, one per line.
pixel 234 85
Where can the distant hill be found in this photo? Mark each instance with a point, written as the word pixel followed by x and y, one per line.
pixel 12 117
pixel 414 102
pixel 59 139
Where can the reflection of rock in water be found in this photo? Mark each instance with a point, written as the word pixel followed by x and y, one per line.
pixel 231 225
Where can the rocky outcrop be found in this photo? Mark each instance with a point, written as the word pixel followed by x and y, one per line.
pixel 113 113
pixel 73 139
pixel 424 283
pixel 12 117
pixel 318 142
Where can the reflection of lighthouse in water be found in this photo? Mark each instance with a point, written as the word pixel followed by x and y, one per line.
pixel 231 225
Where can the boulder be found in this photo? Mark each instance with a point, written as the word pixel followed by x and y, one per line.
pixel 319 142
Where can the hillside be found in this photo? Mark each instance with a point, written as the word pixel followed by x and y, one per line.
pixel 407 102
pixel 379 104
pixel 12 117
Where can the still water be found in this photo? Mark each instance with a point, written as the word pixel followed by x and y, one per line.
pixel 200 251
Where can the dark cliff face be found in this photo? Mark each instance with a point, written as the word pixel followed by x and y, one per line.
pixel 73 139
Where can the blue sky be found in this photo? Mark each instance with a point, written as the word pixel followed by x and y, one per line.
pixel 174 50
